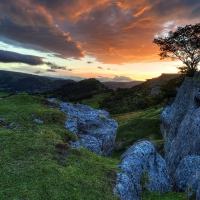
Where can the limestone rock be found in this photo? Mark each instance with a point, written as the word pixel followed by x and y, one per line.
pixel 95 130
pixel 142 166
pixel 38 121
pixel 188 174
pixel 181 125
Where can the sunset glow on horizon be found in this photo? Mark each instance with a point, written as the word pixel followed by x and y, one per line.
pixel 105 39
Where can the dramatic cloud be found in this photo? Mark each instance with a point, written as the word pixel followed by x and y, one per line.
pixel 38 72
pixel 122 79
pixel 113 32
pixel 55 66
pixel 115 79
pixel 51 70
pixel 9 57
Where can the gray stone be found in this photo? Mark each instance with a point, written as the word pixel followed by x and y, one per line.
pixel 38 121
pixel 1 120
pixel 95 130
pixel 76 144
pixel 126 189
pixel 11 124
pixel 181 125
pixel 187 175
pixel 192 186
pixel 142 166
pixel 53 100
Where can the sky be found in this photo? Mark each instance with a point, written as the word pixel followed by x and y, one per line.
pixel 77 39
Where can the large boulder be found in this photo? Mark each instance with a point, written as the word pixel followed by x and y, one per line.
pixel 95 130
pixel 142 167
pixel 187 175
pixel 181 125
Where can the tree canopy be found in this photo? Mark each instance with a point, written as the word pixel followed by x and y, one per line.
pixel 182 44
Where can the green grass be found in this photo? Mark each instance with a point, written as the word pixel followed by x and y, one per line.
pixel 21 93
pixel 138 125
pixel 93 102
pixel 36 161
pixel 168 196
pixel 4 94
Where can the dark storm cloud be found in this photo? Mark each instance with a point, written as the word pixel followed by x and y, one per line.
pixel 47 39
pixel 9 57
pixel 176 8
pixel 23 13
pixel 51 70
pixel 55 66
pixel 38 72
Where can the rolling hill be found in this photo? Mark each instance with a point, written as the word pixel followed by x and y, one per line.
pixel 116 85
pixel 13 82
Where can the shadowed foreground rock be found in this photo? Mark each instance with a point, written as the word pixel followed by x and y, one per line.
pixel 181 125
pixel 188 175
pixel 181 130
pixel 142 167
pixel 95 130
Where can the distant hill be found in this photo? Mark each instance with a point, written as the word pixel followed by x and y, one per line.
pixel 21 82
pixel 116 85
pixel 140 96
pixel 77 91
pixel 158 81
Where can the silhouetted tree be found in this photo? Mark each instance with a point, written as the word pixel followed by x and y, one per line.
pixel 182 44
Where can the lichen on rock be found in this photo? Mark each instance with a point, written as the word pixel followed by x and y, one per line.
pixel 142 168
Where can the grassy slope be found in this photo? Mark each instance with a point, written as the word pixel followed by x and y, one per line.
pixel 36 161
pixel 138 125
pixel 168 196
pixel 93 102
pixel 4 94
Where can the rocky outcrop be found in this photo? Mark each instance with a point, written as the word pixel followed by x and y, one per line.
pixel 95 130
pixel 187 175
pixel 142 167
pixel 181 130
pixel 181 125
pixel 155 90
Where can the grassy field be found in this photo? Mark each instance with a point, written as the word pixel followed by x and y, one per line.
pixel 138 125
pixel 36 161
pixel 169 196
pixel 4 94
pixel 93 102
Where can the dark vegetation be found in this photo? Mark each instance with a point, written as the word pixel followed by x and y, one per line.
pixel 78 91
pixel 182 44
pixel 140 96
pixel 14 82
pixel 116 85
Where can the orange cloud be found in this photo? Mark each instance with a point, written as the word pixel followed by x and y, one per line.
pixel 141 11
pixel 110 31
